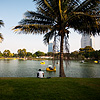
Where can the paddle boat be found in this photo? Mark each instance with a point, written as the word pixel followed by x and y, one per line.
pixel 42 62
pixel 50 69
pixel 96 62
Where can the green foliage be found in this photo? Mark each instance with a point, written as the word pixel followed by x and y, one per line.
pixel 75 54
pixel 7 53
pixel 95 55
pixel 53 16
pixel 0 54
pixel 34 55
pixel 83 53
pixel 22 52
pixel 15 55
pixel 29 54
pixel 86 51
pixel 50 53
pixel 39 53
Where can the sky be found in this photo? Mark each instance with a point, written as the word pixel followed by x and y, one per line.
pixel 11 12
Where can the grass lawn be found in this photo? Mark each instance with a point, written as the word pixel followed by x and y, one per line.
pixel 50 89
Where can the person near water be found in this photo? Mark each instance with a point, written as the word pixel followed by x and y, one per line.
pixel 40 74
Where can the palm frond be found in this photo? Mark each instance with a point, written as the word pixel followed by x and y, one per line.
pixel 32 28
pixel 50 13
pixel 31 21
pixel 84 23
pixel 87 5
pixel 48 36
pixel 36 16
pixel 1 23
pixel 60 9
pixel 1 37
pixel 48 5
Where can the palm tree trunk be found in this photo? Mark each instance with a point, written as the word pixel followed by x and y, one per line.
pixel 62 74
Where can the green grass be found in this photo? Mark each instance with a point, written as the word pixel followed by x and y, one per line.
pixel 50 89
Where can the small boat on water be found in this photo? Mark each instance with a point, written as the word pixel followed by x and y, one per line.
pixel 50 69
pixel 42 62
pixel 96 62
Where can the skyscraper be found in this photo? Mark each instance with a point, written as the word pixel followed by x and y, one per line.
pixel 50 47
pixel 87 40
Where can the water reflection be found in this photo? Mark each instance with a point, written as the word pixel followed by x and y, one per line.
pixel 29 68
pixel 87 70
pixel 84 70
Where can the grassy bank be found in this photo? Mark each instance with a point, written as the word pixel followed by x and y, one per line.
pixel 50 89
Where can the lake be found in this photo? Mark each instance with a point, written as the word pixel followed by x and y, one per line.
pixel 29 68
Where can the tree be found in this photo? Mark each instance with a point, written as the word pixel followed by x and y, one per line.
pixel 1 24
pixel 39 53
pixel 86 51
pixel 55 18
pixel 29 54
pixel 81 51
pixel 6 53
pixel 34 55
pixel 19 52
pixel 22 52
pixel 15 55
pixel 50 53
pixel 95 55
pixel 0 54
pixel 75 54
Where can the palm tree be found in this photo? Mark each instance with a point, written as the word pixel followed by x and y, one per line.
pixel 55 18
pixel 1 24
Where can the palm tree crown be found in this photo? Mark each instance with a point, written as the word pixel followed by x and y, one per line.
pixel 56 17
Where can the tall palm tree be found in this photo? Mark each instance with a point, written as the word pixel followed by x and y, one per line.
pixel 1 24
pixel 56 17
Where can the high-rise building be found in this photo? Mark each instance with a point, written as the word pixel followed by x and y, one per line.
pixel 87 40
pixel 50 47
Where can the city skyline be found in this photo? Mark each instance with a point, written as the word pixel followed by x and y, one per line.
pixel 11 12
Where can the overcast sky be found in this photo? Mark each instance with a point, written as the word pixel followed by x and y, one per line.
pixel 11 12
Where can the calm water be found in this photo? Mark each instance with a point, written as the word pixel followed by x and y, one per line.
pixel 29 68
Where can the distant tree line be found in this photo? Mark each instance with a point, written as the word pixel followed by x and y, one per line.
pixel 86 53
pixel 21 53
pixel 83 53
